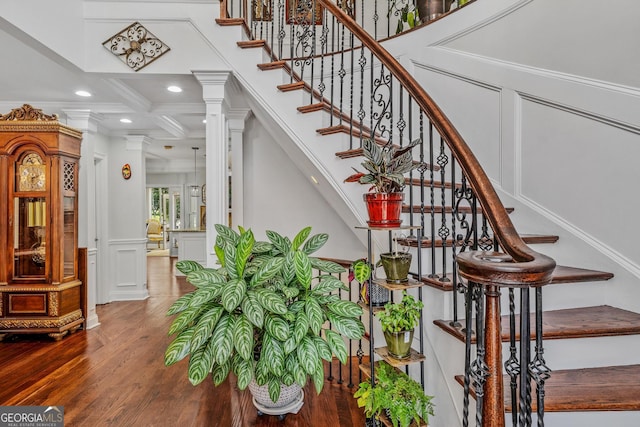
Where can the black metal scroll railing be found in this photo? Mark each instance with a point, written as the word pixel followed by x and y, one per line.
pixel 330 51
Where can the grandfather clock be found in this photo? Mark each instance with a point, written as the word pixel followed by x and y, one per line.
pixel 41 290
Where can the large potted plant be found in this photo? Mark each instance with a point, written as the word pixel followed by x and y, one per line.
pixel 385 168
pixel 398 320
pixel 396 395
pixel 263 315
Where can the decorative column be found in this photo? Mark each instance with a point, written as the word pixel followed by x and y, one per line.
pixel 213 92
pixel 87 122
pixel 236 122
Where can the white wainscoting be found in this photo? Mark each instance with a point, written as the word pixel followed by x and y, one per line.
pixel 128 270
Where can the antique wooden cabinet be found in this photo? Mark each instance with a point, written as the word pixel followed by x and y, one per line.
pixel 40 287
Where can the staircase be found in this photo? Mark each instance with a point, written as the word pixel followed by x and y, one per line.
pixel 592 349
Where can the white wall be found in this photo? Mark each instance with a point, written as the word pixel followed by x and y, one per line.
pixel 278 197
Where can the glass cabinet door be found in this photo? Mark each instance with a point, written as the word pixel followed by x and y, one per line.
pixel 30 232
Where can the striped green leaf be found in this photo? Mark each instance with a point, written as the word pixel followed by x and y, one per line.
pixel 274 389
pixel 219 253
pixel 290 292
pixel 323 349
pixel 200 365
pixel 222 339
pixel 185 267
pixel 277 327
pixel 262 247
pixel 180 304
pixel 318 377
pixel 350 328
pixel 274 353
pixel 326 266
pixel 282 244
pixel 337 345
pixel 203 295
pixel 289 345
pixel 262 371
pixel 204 328
pixel 288 379
pixel 303 269
pixel 361 271
pixel 300 328
pixel 328 299
pixel 268 270
pixel 315 243
pixel 345 308
pixel 219 372
pixel 289 268
pixel 300 238
pixel 308 355
pixel 178 348
pixel 328 284
pixel 227 234
pixel 184 320
pixel 314 313
pixel 294 367
pixel 233 293
pixel 244 372
pixel 244 248
pixel 252 308
pixel 271 301
pixel 243 337
pixel 230 253
pixel 205 277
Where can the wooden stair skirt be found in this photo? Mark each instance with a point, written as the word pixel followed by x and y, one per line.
pixel 610 388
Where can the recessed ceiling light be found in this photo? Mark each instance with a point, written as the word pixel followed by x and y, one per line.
pixel 125 120
pixel 83 93
pixel 204 120
pixel 175 89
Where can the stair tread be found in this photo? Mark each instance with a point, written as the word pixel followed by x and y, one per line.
pixel 246 44
pixel 561 275
pixel 609 388
pixel 426 242
pixel 582 322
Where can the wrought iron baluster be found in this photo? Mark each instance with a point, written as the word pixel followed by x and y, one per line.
pixel 468 300
pixel 524 417
pixel 538 368
pixel 432 204
pixel 512 366
pixel 443 230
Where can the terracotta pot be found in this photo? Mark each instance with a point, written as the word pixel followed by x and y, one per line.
pixel 399 343
pixel 384 209
pixel 396 266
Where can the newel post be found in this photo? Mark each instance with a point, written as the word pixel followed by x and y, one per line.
pixel 493 403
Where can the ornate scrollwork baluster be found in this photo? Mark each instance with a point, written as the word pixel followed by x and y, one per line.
pixel 538 368
pixel 512 365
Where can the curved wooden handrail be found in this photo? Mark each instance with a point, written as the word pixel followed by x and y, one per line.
pixel 522 266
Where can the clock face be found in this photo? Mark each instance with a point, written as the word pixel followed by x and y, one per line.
pixel 32 174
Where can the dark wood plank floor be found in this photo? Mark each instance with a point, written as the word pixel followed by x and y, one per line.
pixel 114 375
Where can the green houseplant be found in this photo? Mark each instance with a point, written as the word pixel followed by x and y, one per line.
pixel 385 167
pixel 262 313
pixel 361 271
pixel 398 320
pixel 397 395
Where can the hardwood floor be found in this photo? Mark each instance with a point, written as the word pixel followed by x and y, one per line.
pixel 114 375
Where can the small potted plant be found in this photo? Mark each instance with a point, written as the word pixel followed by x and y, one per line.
pixel 385 168
pixel 361 272
pixel 262 315
pixel 396 395
pixel 398 320
pixel 396 264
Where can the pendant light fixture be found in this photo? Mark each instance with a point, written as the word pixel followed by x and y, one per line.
pixel 195 189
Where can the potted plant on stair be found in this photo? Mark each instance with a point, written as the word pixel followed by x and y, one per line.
pixel 398 320
pixel 396 264
pixel 263 316
pixel 396 395
pixel 385 168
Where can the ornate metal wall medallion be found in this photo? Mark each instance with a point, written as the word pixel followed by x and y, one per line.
pixel 136 46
